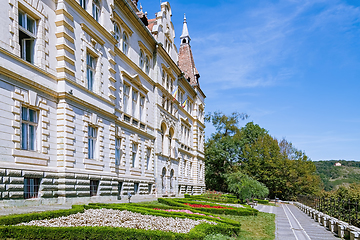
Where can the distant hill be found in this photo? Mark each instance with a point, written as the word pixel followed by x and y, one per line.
pixel 334 176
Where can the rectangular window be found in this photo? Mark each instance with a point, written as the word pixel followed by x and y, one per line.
pixel 149 188
pixel 134 103
pixel 82 3
pixel 136 188
pixel 126 97
pixel 90 71
pixel 92 135
pixel 94 186
pixel 96 10
pixel 117 151
pixel 134 153
pixel 142 106
pixel 28 128
pixel 31 187
pixel 27 36
pixel 148 156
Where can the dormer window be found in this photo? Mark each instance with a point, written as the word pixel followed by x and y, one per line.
pixel 96 10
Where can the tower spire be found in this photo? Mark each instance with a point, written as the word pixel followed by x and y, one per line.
pixel 185 37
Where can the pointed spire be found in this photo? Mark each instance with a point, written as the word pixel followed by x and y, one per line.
pixel 185 32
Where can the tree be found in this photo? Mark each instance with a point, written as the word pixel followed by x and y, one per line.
pixel 245 187
pixel 251 150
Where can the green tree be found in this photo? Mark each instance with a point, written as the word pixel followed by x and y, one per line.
pixel 245 187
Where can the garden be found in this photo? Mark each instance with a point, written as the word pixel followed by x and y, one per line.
pixel 168 218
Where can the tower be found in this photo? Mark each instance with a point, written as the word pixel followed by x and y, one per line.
pixel 186 59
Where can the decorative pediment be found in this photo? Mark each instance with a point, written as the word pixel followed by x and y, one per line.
pixel 134 80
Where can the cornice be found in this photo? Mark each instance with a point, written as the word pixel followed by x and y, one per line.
pixel 118 19
pixel 147 51
pixel 168 59
pixel 92 34
pixel 133 65
pixel 137 23
pixel 135 80
pixel 75 5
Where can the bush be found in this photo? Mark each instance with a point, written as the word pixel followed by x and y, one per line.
pixel 262 201
pixel 187 196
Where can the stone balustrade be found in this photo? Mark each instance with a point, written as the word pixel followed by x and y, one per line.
pixel 336 226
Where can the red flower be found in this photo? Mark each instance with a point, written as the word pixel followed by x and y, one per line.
pixel 204 206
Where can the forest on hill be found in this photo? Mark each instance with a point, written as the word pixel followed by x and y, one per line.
pixel 334 176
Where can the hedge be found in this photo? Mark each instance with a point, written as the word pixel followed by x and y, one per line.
pixel 225 226
pixel 234 211
pixel 262 201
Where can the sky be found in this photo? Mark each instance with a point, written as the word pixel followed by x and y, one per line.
pixel 292 65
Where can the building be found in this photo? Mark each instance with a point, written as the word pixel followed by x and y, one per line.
pixel 96 102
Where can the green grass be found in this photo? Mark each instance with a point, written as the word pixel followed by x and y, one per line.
pixel 260 227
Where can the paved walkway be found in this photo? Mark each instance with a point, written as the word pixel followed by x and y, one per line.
pixel 293 224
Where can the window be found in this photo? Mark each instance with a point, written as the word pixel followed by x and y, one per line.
pixel 163 78
pixel 147 65
pixel 96 9
pixel 117 151
pixel 92 132
pixel 171 85
pixel 136 188
pixel 141 59
pixel 126 97
pixel 120 184
pixel 134 103
pixel 31 187
pixel 163 129
pixel 149 188
pixel 142 105
pixel 82 3
pixel 167 83
pixel 148 155
pixel 94 186
pixel 125 44
pixel 134 152
pixel 28 128
pixel 117 34
pixel 90 72
pixel 27 36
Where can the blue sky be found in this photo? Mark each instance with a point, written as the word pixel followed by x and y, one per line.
pixel 292 65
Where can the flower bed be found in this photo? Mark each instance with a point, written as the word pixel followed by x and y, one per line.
pixel 117 218
pixel 205 206
pixel 185 211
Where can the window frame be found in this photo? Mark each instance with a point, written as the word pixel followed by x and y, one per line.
pixel 91 62
pixel 29 36
pixel 31 189
pixel 125 43
pixel 148 157
pixel 94 187
pixel 82 3
pixel 96 10
pixel 118 152
pixel 117 33
pixel 147 65
pixel 92 142
pixel 26 125
pixel 141 59
pixel 134 151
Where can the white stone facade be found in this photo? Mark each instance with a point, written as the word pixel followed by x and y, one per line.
pixel 87 111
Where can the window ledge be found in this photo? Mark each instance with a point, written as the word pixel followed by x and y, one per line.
pixel 30 157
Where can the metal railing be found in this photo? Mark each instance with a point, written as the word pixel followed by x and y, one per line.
pixel 342 209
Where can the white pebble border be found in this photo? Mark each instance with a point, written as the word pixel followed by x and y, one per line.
pixel 117 218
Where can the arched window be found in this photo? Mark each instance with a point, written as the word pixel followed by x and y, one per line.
pixel 171 135
pixel 96 9
pixel 163 179
pixel 117 34
pixel 163 130
pixel 147 65
pixel 141 59
pixel 125 44
pixel 171 179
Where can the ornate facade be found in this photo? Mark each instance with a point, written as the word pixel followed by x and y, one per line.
pixel 96 103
